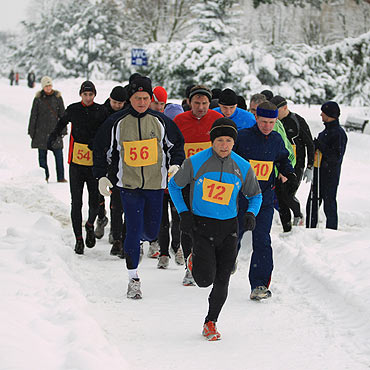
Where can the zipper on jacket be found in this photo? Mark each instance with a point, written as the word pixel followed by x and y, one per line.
pixel 142 168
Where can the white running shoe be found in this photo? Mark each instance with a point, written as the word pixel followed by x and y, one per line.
pixel 179 257
pixel 163 262
pixel 261 292
pixel 133 290
pixel 298 221
pixel 188 279
pixel 153 251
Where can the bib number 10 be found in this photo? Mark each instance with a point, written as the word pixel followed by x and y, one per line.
pixel 262 169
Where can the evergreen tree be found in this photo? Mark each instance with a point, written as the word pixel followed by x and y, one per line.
pixel 213 20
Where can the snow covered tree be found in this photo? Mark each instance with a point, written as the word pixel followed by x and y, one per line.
pixel 213 20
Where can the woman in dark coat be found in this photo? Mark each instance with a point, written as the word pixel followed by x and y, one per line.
pixel 47 108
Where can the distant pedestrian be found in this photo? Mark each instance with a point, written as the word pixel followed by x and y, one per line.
pixel 31 80
pixel 11 77
pixel 17 78
pixel 47 108
pixel 331 146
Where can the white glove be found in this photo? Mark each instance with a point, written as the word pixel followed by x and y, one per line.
pixel 172 170
pixel 104 186
pixel 308 174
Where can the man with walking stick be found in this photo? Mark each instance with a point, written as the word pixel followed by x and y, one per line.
pixel 330 146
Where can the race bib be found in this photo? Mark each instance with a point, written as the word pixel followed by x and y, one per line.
pixel 318 157
pixel 82 154
pixel 192 148
pixel 140 153
pixel 217 192
pixel 262 169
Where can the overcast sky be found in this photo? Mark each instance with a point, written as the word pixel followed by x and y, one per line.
pixel 11 13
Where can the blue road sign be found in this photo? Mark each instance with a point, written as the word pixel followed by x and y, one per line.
pixel 138 57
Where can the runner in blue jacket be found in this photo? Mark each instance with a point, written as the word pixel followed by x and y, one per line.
pixel 265 149
pixel 216 176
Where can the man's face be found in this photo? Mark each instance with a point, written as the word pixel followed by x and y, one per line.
pixel 228 110
pixel 140 101
pixel 253 108
pixel 116 105
pixel 87 97
pixel 48 89
pixel 265 124
pixel 223 145
pixel 158 106
pixel 282 112
pixel 326 118
pixel 199 105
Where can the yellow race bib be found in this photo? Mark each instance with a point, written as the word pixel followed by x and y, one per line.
pixel 140 153
pixel 192 148
pixel 82 154
pixel 217 192
pixel 262 169
pixel 318 157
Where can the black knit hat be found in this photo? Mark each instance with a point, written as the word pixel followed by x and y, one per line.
pixel 331 109
pixel 140 84
pixel 268 93
pixel 200 90
pixel 279 101
pixel 119 94
pixel 241 102
pixel 134 76
pixel 223 127
pixel 228 97
pixel 87 86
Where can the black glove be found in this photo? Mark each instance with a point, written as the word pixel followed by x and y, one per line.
pixel 52 138
pixel 316 143
pixel 292 183
pixel 186 222
pixel 249 221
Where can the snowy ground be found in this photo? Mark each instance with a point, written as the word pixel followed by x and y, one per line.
pixel 60 311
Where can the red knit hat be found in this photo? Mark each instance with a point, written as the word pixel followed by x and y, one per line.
pixel 159 94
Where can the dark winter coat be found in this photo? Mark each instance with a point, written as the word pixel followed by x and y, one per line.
pixel 45 112
pixel 299 134
pixel 252 144
pixel 332 144
pixel 85 123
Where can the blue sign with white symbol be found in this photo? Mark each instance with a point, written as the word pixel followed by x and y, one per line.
pixel 138 57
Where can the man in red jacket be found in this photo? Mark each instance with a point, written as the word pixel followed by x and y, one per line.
pixel 195 126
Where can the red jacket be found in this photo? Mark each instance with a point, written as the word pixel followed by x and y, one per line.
pixel 196 130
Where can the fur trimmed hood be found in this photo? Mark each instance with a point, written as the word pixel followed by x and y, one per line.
pixel 40 93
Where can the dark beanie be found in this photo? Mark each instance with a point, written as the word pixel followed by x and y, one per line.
pixel 241 103
pixel 228 97
pixel 216 93
pixel 200 90
pixel 223 127
pixel 331 109
pixel 134 76
pixel 87 86
pixel 268 93
pixel 279 101
pixel 140 84
pixel 119 94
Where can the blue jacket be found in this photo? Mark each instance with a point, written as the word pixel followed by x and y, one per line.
pixel 264 152
pixel 215 183
pixel 241 117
